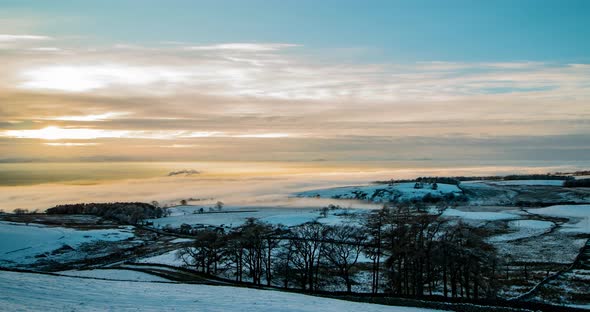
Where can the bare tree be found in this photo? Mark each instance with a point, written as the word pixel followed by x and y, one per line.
pixel 344 244
pixel 307 242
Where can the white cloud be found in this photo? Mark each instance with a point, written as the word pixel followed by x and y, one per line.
pixel 15 38
pixel 263 135
pixel 46 49
pixel 58 133
pixel 243 47
pixel 274 75
pixel 81 78
pixel 180 146
pixel 96 117
pixel 70 144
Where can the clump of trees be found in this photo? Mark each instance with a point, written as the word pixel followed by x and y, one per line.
pixel 577 183
pixel 20 211
pixel 424 253
pixel 458 179
pixel 424 180
pixel 127 213
pixel 411 253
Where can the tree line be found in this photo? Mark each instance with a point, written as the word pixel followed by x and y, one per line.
pixel 577 183
pixel 404 251
pixel 458 179
pixel 127 213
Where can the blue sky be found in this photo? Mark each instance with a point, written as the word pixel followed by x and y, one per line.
pixel 371 31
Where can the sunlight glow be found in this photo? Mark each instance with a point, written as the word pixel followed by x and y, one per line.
pixel 57 133
pixel 70 144
pixel 91 77
pixel 263 135
pixel 97 117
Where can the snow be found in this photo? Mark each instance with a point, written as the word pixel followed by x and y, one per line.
pixel 236 216
pixel 382 192
pixel 479 215
pixel 528 182
pixel 578 215
pixel 36 292
pixel 523 229
pixel 290 219
pixel 168 258
pixel 182 240
pixel 20 243
pixel 115 275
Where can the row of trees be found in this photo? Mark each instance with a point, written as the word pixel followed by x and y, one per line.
pixel 457 179
pixel 128 213
pixel 406 252
pixel 577 183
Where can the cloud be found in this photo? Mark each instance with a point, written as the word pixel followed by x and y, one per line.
pixel 243 47
pixel 180 146
pixel 295 106
pixel 70 144
pixel 57 133
pixel 94 117
pixel 263 135
pixel 16 38
pixel 286 77
pixel 81 78
pixel 47 49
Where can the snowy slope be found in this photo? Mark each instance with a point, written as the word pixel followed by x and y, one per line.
pixel 168 258
pixel 21 242
pixel 522 229
pixel 32 292
pixel 382 192
pixel 578 215
pixel 528 182
pixel 236 216
pixel 479 215
pixel 115 275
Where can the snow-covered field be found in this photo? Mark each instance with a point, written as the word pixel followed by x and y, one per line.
pixel 578 215
pixel 115 275
pixel 523 229
pixel 528 182
pixel 480 215
pixel 168 258
pixel 20 243
pixel 35 292
pixel 383 192
pixel 235 216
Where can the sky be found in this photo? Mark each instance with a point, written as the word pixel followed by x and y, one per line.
pixel 294 80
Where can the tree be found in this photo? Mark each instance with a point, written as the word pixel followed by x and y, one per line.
pixel 20 211
pixel 219 205
pixel 374 225
pixel 256 244
pixel 206 252
pixel 342 250
pixel 307 243
pixel 183 202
